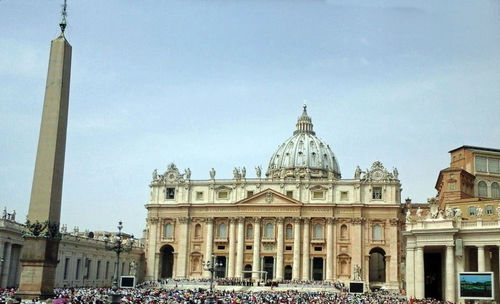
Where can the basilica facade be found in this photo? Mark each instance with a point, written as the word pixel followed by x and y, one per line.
pixel 298 221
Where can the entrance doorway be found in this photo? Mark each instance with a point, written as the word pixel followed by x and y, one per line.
pixel 288 273
pixel 268 266
pixel 317 268
pixel 220 272
pixel 167 261
pixel 433 277
pixel 247 275
pixel 377 265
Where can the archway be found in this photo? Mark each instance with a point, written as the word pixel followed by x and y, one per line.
pixel 377 265
pixel 288 273
pixel 167 261
pixel 247 275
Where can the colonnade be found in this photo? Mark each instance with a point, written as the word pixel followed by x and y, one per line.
pixel 415 273
pixel 301 247
pixel 9 263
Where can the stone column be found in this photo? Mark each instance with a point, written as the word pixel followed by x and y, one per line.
pixel 183 247
pixel 209 242
pixel 279 250
pixel 296 250
pixel 240 250
pixel 232 247
pixel 329 249
pixel 305 251
pixel 450 274
pixel 334 249
pixel 6 264
pixel 256 249
pixel 419 273
pixel 480 259
pixel 356 239
pixel 151 270
pixel 1 263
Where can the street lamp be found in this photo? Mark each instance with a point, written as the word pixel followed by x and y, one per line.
pixel 212 267
pixel 117 245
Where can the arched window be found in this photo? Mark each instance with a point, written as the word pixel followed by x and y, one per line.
pixel 169 231
pixel 377 232
pixel 495 190
pixel 318 231
pixel 249 231
pixel 222 230
pixel 197 231
pixel 344 232
pixel 482 189
pixel 289 231
pixel 269 230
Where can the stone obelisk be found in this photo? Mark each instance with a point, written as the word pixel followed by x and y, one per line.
pixel 41 235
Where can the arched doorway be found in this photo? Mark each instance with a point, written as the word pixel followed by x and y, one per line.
pixel 288 273
pixel 167 261
pixel 377 265
pixel 247 275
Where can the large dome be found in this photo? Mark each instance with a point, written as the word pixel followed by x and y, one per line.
pixel 303 155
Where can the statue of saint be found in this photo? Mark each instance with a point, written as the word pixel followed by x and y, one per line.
pixel 395 173
pixel 187 172
pixel 212 173
pixel 243 172
pixel 258 171
pixel 357 173
pixel 155 174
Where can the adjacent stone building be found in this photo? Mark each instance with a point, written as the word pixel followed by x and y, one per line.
pixel 83 260
pixel 299 221
pixel 461 230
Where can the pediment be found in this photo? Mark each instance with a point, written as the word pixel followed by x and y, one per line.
pixel 269 197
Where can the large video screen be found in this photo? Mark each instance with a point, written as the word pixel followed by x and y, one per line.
pixel 476 285
pixel 356 287
pixel 127 282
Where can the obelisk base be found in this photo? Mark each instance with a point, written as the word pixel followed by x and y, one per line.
pixel 39 262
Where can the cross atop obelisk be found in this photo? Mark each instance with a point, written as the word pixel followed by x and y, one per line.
pixel 41 235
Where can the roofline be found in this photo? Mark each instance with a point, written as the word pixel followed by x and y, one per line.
pixel 474 148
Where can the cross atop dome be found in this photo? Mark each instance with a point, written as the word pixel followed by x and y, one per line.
pixel 304 123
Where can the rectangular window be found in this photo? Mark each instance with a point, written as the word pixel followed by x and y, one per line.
pixel 471 211
pixel 169 231
pixel 289 194
pixel 221 247
pixel 249 193
pixel 481 164
pixel 318 248
pixel 452 186
pixel 377 193
pixel 98 269
pixel 106 272
pixel 170 193
pixel 344 196
pixel 248 247
pixel 288 248
pixel 66 265
pixel 489 209
pixel 87 268
pixel 199 195
pixel 77 273
pixel 318 194
pixel 222 194
pixel 493 165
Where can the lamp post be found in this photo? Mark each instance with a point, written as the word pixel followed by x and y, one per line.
pixel 212 267
pixel 117 245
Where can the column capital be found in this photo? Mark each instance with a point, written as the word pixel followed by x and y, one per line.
pixel 256 220
pixel 280 220
pixel 208 220
pixel 153 220
pixel 241 219
pixel 306 220
pixel 232 220
pixel 330 220
pixel 296 220
pixel 358 220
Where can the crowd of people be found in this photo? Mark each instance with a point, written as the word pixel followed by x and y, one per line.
pixel 151 294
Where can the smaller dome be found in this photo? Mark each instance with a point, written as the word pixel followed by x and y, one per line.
pixel 303 155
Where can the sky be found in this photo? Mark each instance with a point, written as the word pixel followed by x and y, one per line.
pixel 221 83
